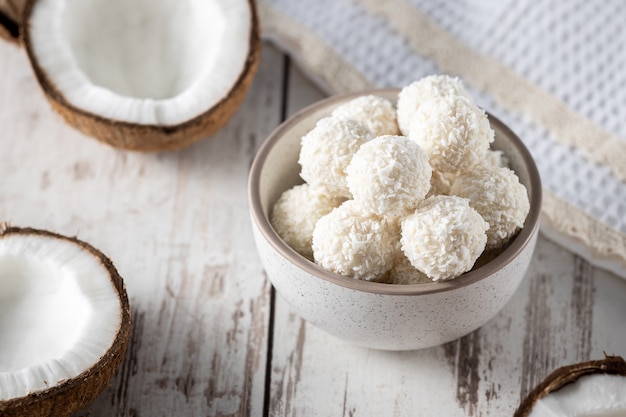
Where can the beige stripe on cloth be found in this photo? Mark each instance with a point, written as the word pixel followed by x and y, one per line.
pixel 508 88
pixel 327 68
pixel 581 233
pixel 563 222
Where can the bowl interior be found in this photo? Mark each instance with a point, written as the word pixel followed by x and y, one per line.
pixel 276 169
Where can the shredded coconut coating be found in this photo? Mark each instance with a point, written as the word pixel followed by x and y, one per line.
pixel 440 184
pixel 496 193
pixel 377 113
pixel 444 237
pixel 327 150
pixel 412 95
pixel 403 273
pixel 389 175
pixel 496 158
pixel 295 213
pixel 350 242
pixel 453 131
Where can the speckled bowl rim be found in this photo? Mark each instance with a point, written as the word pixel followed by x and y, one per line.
pixel 507 256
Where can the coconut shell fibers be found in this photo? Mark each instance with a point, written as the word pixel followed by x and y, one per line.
pixel 565 375
pixel 140 136
pixel 76 393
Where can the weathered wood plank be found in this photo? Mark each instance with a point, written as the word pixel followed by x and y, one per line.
pixel 565 311
pixel 176 225
pixel 483 374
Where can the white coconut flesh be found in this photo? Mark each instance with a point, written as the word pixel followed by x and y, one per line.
pixel 595 395
pixel 59 313
pixel 150 62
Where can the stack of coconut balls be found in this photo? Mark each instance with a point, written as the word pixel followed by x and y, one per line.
pixel 404 196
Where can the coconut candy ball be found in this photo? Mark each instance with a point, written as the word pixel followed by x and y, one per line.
pixel 327 150
pixel 295 213
pixel 444 237
pixel 440 184
pixel 377 113
pixel 351 242
pixel 453 131
pixel 403 273
pixel 412 95
pixel 389 175
pixel 496 193
pixel 496 157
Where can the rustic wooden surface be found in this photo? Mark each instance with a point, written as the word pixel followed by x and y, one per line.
pixel 210 337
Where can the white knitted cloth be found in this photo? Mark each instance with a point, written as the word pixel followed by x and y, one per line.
pixel 553 71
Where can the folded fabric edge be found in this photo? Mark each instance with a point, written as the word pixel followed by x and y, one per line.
pixel 579 232
pixel 583 235
pixel 511 90
pixel 322 64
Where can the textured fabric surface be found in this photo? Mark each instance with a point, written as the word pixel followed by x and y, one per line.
pixel 552 71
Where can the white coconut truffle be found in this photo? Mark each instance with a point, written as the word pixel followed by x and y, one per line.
pixel 389 175
pixel 444 237
pixel 412 95
pixel 496 158
pixel 327 150
pixel 440 183
pixel 496 193
pixel 403 273
pixel 377 113
pixel 351 242
pixel 295 213
pixel 453 131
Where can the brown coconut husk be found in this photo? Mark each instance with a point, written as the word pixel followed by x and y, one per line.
pixel 74 394
pixel 569 374
pixel 141 137
pixel 10 19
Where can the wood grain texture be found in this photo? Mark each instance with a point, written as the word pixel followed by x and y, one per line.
pixel 485 373
pixel 176 226
pixel 551 321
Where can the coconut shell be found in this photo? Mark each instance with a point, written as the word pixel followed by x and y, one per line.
pixel 9 28
pixel 144 137
pixel 569 374
pixel 10 19
pixel 75 394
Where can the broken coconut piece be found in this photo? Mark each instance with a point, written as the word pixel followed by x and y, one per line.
pixel 147 74
pixel 594 388
pixel 64 323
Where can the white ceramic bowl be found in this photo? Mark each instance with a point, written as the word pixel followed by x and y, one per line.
pixel 376 315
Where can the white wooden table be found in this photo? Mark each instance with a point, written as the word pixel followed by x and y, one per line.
pixel 210 337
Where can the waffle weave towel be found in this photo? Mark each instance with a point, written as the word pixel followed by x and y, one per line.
pixel 553 71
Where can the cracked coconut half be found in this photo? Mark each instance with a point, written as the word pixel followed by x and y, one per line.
pixel 64 323
pixel 588 389
pixel 10 18
pixel 143 74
